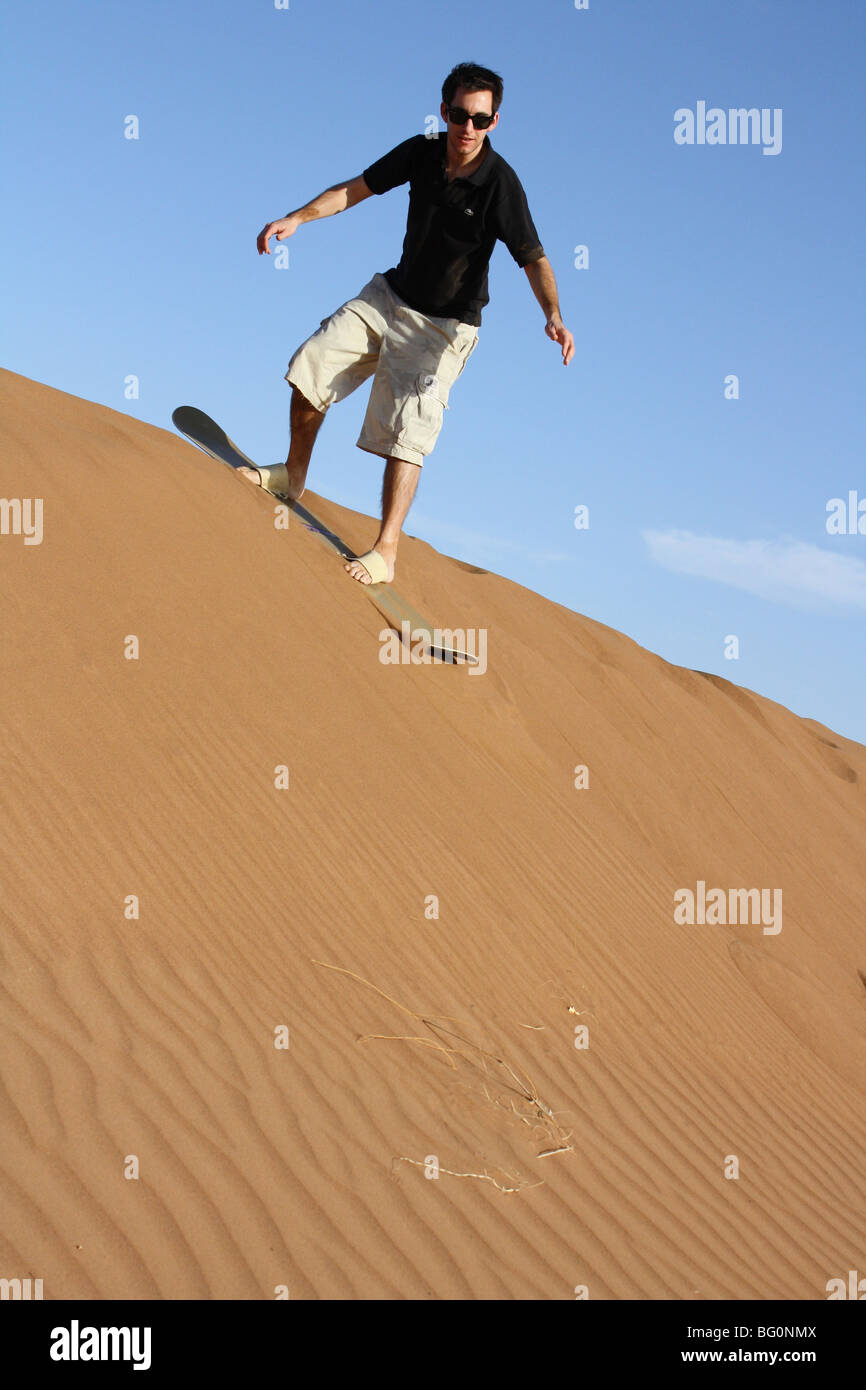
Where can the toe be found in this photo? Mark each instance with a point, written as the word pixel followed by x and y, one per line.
pixel 358 572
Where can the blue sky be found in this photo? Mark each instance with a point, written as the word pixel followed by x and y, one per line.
pixel 707 515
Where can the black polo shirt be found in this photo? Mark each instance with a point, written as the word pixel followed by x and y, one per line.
pixel 453 226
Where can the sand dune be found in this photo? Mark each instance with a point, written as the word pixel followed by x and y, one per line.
pixel 409 1035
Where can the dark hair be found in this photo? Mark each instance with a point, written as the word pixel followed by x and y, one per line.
pixel 472 78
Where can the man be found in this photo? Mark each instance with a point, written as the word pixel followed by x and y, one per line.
pixel 414 328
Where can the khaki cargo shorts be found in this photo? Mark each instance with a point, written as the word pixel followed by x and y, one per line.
pixel 414 360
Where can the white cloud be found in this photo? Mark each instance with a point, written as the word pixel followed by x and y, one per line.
pixel 784 571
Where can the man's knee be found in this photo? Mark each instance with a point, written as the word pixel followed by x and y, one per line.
pixel 302 405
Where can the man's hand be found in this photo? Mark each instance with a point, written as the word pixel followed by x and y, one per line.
pixel 556 329
pixel 283 228
pixel 543 281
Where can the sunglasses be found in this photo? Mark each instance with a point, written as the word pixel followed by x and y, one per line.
pixel 460 117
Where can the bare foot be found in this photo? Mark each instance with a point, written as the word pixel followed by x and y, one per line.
pixel 376 567
pixel 281 481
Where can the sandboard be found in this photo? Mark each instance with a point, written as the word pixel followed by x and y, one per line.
pixel 213 440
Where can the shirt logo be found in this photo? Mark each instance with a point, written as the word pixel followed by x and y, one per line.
pixel 469 212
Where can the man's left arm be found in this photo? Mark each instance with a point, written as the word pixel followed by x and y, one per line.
pixel 540 276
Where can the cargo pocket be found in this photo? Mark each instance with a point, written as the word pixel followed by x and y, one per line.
pixel 422 414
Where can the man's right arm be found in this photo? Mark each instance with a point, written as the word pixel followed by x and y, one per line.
pixel 336 199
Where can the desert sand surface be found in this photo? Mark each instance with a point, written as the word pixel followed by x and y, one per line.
pixel 430 907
